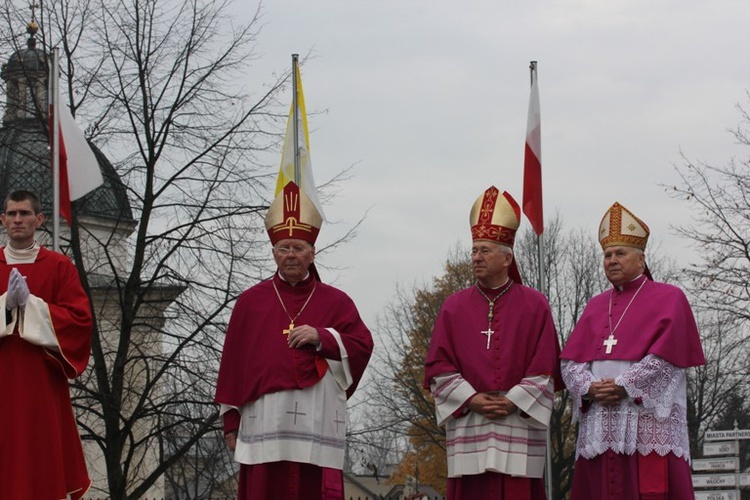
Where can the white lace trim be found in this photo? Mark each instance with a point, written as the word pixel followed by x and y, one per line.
pixel 577 378
pixel 656 382
pixel 658 424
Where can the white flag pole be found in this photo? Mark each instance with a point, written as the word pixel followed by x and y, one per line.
pixel 54 99
pixel 295 107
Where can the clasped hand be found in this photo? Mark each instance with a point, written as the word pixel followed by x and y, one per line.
pixel 18 290
pixel 303 335
pixel 606 392
pixel 492 406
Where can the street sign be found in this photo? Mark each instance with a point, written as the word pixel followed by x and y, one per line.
pixel 714 480
pixel 716 495
pixel 725 435
pixel 716 464
pixel 726 443
pixel 719 448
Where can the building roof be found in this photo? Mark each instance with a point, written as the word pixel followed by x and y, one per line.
pixel 24 151
pixel 25 164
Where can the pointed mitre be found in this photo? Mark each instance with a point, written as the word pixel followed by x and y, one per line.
pixel 619 227
pixel 293 215
pixel 495 217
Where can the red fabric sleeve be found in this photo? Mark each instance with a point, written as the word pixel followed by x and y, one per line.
pixel 329 348
pixel 231 421
pixel 71 318
pixel 54 279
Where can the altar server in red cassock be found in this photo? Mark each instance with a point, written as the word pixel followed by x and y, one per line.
pixel 492 367
pixel 45 339
pixel 295 350
pixel 624 365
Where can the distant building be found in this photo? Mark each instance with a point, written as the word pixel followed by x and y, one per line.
pixel 106 222
pixel 370 487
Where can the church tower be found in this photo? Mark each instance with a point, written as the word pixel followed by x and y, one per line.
pixel 106 223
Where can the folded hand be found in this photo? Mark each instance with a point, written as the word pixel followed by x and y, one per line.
pixel 18 290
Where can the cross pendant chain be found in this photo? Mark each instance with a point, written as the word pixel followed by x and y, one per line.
pixel 490 315
pixel 291 319
pixel 489 332
pixel 610 343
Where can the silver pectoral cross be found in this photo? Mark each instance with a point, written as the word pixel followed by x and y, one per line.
pixel 610 343
pixel 489 332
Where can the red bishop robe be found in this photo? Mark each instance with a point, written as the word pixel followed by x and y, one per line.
pixel 41 456
pixel 256 360
pixel 524 348
pixel 649 319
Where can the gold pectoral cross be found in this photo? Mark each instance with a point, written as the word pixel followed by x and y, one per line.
pixel 288 330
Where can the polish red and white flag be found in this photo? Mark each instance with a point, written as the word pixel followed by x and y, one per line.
pixel 532 162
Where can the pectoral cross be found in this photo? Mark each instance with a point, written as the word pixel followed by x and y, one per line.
pixel 288 330
pixel 610 342
pixel 489 334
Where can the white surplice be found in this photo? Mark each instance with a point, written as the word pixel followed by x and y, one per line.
pixel 513 445
pixel 652 419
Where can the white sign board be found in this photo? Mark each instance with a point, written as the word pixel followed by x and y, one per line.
pixel 745 480
pixel 719 448
pixel 716 495
pixel 714 480
pixel 725 435
pixel 709 464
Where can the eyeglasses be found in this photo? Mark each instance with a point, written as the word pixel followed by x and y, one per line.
pixel 484 252
pixel 286 250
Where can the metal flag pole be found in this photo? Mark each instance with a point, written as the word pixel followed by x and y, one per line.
pixel 543 289
pixel 295 113
pixel 54 99
pixel 540 237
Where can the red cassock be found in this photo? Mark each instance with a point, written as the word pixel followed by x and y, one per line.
pixel 41 456
pixel 256 360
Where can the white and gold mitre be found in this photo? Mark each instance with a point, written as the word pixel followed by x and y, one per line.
pixel 619 227
pixel 495 217
pixel 293 215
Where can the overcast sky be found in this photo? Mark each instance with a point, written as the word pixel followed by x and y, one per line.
pixel 429 100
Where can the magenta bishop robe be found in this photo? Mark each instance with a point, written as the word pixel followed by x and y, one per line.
pixel 638 449
pixel 501 458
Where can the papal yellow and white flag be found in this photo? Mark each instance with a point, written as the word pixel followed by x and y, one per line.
pixel 286 171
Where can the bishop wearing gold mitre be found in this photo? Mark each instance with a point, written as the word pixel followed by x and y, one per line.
pixel 625 367
pixel 295 350
pixel 492 367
